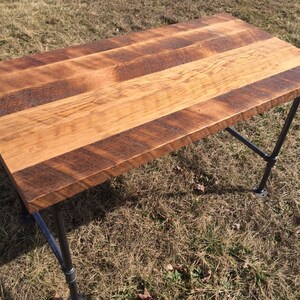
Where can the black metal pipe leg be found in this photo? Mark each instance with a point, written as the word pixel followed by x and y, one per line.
pixel 271 161
pixel 67 268
pixel 25 216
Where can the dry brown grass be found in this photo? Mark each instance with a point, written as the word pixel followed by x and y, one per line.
pixel 125 233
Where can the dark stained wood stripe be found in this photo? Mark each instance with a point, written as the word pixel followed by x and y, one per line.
pixel 58 178
pixel 206 48
pixel 40 59
pixel 55 90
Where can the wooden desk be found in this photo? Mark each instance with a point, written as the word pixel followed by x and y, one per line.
pixel 73 118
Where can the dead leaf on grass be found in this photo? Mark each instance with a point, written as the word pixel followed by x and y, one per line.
pixel 178 168
pixel 246 265
pixel 236 226
pixel 145 296
pixel 207 277
pixel 181 268
pixel 56 296
pixel 169 268
pixel 200 187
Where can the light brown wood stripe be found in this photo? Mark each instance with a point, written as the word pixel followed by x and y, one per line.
pixel 49 83
pixel 49 57
pixel 98 162
pixel 73 118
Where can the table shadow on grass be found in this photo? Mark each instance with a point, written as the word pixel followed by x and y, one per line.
pixel 17 239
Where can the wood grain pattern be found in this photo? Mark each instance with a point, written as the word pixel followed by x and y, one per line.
pixel 40 85
pixel 49 57
pixel 56 128
pixel 76 119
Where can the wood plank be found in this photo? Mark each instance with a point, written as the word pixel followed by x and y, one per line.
pixel 31 97
pixel 86 63
pixel 49 57
pixel 100 161
pixel 64 79
pixel 31 136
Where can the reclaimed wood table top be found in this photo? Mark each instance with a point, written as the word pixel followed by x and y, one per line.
pixel 73 118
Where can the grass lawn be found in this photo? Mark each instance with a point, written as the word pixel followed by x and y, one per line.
pixel 185 226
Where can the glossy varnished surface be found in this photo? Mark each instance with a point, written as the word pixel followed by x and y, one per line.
pixel 73 118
